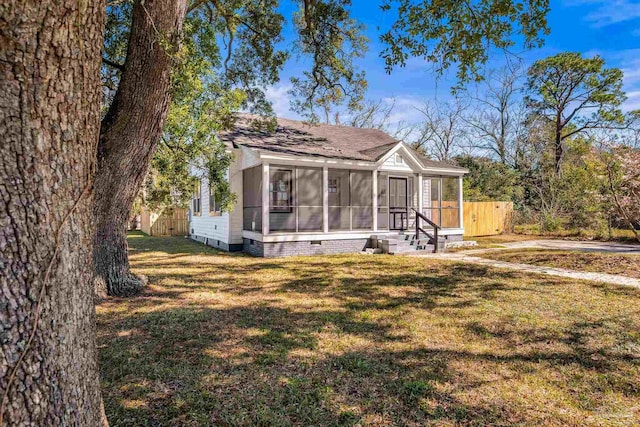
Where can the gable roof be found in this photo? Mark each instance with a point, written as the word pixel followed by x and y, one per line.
pixel 330 141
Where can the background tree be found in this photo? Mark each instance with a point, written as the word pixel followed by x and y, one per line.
pixel 49 120
pixel 441 132
pixel 496 119
pixel 575 94
pixel 489 180
pixel 621 171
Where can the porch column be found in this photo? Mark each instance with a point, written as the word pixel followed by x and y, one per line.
pixel 420 194
pixel 375 200
pixel 325 199
pixel 461 202
pixel 265 198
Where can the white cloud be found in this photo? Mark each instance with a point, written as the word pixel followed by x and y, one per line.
pixel 608 12
pixel 633 101
pixel 281 100
pixel 405 109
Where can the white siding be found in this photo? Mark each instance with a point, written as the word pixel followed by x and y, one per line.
pixel 205 225
pixel 226 227
pixel 391 165
pixel 235 217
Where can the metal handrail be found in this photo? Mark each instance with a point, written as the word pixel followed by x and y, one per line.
pixel 435 226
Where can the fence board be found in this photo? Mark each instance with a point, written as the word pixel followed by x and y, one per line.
pixel 487 218
pixel 171 222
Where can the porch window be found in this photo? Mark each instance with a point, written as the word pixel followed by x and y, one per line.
pixel 252 199
pixel 280 191
pixel 350 200
pixel 295 196
pixel 383 201
pixel 441 204
pixel 450 205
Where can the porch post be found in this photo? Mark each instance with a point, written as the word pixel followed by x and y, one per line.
pixel 265 198
pixel 461 202
pixel 375 200
pixel 420 194
pixel 325 199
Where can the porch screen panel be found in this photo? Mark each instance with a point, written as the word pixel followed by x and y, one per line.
pixel 450 205
pixel 282 206
pixel 310 198
pixel 252 199
pixel 431 194
pixel 361 200
pixel 339 206
pixel 383 201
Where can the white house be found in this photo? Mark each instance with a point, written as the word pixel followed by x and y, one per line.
pixel 319 189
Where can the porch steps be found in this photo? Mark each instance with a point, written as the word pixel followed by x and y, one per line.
pixel 406 242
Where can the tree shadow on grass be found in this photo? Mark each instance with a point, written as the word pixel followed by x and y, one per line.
pixel 244 366
pixel 331 342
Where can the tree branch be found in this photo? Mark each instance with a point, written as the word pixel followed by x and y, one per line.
pixel 112 64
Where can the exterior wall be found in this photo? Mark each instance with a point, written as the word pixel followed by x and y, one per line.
pixel 220 231
pixel 325 247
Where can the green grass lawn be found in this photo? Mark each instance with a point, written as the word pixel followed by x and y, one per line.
pixel 220 339
pixel 622 264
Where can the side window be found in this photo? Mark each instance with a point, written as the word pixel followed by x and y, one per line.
pixel 214 209
pixel 196 202
pixel 399 160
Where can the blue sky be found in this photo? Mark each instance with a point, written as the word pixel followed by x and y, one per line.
pixel 609 28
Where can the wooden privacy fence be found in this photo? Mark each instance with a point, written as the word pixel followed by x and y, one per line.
pixel 171 222
pixel 487 218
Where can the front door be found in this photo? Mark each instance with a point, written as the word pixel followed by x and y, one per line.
pixel 398 206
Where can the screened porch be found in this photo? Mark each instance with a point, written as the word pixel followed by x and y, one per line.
pixel 284 199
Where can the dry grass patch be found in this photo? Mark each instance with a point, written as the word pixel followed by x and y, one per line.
pixel 219 339
pixel 597 262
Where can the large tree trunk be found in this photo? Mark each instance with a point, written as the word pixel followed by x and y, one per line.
pixel 49 121
pixel 130 133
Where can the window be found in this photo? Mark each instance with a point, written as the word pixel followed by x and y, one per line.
pixel 334 186
pixel 399 160
pixel 196 201
pixel 351 203
pixel 214 209
pixel 280 191
pixel 441 201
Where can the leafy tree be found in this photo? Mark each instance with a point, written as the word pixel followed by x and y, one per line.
pixel 49 121
pixel 489 180
pixel 460 32
pixel 574 94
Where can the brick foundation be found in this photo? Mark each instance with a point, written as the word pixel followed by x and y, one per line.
pixel 307 247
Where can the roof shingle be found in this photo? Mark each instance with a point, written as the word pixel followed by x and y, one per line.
pixel 322 140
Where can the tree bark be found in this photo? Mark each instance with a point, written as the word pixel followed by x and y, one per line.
pixel 130 133
pixel 49 122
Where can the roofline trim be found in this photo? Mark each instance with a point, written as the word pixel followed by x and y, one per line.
pixel 271 156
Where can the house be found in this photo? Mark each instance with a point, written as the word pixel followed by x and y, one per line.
pixel 321 189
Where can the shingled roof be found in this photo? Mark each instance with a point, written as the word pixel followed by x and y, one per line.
pixel 322 140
